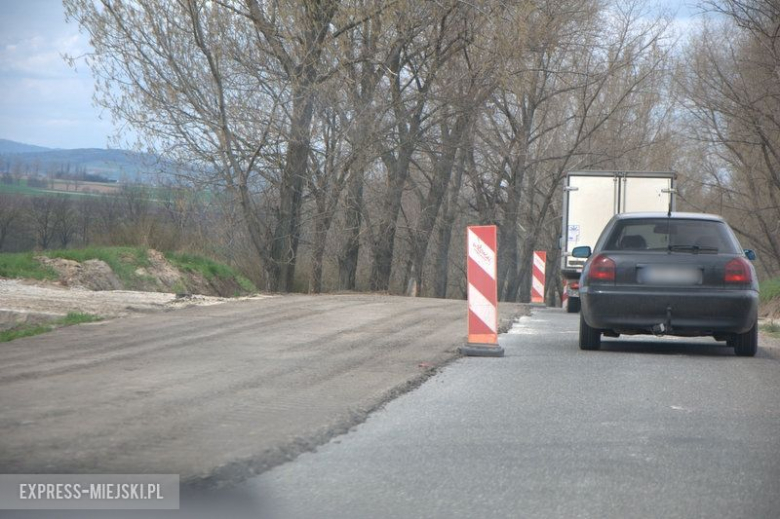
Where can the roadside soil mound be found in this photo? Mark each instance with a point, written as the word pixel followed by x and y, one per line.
pixel 92 274
pixel 24 302
pixel 158 275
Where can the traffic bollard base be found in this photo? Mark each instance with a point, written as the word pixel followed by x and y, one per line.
pixel 481 350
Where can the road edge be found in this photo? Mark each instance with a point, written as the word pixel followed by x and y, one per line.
pixel 237 471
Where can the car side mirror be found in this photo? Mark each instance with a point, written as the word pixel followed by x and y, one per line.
pixel 750 254
pixel 581 252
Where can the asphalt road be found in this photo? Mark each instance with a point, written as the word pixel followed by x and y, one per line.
pixel 644 428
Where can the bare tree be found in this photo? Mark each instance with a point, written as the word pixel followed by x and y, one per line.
pixel 581 68
pixel 41 219
pixel 65 223
pixel 413 68
pixel 326 185
pixel 10 214
pixel 730 85
pixel 396 122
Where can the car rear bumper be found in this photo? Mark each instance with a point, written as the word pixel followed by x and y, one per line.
pixel 687 311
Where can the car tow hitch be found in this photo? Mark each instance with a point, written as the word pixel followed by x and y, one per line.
pixel 661 329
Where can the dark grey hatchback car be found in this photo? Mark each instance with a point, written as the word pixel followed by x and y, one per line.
pixel 681 274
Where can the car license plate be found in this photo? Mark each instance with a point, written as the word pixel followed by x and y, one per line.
pixel 669 276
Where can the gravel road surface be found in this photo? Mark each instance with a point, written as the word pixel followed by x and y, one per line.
pixel 215 393
pixel 26 302
pixel 644 428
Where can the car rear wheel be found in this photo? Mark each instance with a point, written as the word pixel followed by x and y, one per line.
pixel 745 344
pixel 590 338
pixel 573 306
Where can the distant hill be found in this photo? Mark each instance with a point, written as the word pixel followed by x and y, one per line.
pixel 7 146
pixel 112 164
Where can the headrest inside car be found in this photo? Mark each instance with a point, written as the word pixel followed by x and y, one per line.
pixel 633 241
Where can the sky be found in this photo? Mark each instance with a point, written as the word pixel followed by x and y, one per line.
pixel 43 101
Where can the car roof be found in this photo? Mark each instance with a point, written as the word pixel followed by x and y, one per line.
pixel 674 215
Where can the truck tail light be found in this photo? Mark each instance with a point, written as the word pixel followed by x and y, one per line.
pixel 738 271
pixel 602 269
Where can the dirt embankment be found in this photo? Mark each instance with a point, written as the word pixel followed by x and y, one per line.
pixel 156 275
pixel 31 303
pixel 93 287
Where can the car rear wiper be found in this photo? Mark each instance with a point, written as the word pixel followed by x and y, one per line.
pixel 693 248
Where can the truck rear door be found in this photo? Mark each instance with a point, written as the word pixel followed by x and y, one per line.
pixel 644 194
pixel 592 200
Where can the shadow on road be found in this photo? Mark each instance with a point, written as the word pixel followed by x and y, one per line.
pixel 668 347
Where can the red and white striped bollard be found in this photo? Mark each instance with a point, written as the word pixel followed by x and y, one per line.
pixel 482 273
pixel 537 283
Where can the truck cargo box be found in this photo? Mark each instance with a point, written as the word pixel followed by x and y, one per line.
pixel 591 198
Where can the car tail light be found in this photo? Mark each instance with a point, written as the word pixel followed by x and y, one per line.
pixel 602 269
pixel 738 271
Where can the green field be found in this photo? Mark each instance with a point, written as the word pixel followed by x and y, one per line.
pixel 155 194
pixel 23 189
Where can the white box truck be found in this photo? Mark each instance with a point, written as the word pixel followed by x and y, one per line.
pixel 591 198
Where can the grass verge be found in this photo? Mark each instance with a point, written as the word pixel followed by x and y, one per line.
pixel 28 330
pixel 770 289
pixel 23 265
pixel 123 261
pixel 771 328
pixel 208 268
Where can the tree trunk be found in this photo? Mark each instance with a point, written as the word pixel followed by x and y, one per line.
pixel 285 240
pixel 507 234
pixel 449 213
pixel 552 285
pixel 384 240
pixel 441 273
pixel 522 280
pixel 410 279
pixel 353 217
pixel 521 289
pixel 318 252
pixel 303 74
pixel 326 202
pixel 442 172
pixel 508 230
pixel 408 134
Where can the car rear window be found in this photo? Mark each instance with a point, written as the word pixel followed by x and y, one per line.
pixel 659 234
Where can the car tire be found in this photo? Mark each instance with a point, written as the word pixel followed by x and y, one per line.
pixel 745 344
pixel 573 306
pixel 590 338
